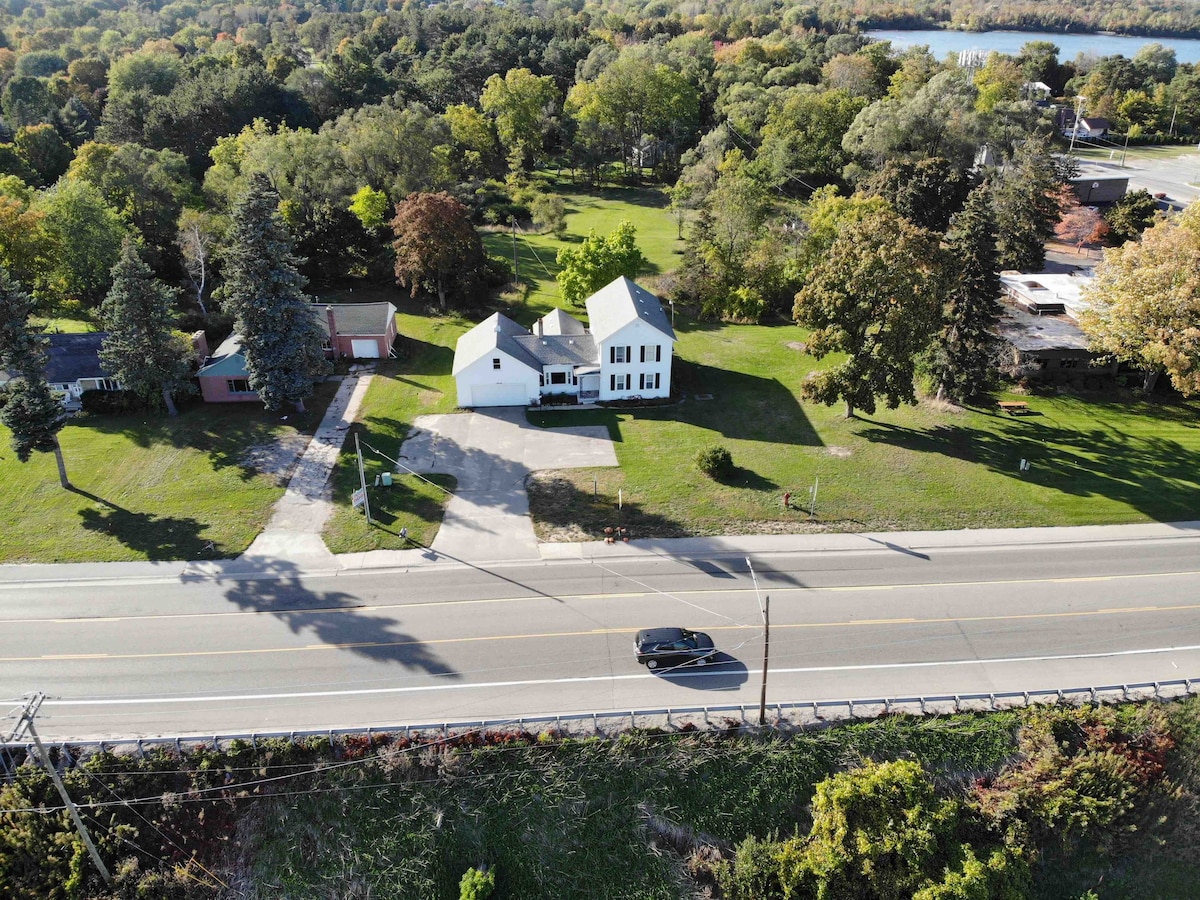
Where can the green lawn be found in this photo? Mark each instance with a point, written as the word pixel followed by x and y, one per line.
pixel 1093 460
pixel 602 209
pixel 148 486
pixel 417 383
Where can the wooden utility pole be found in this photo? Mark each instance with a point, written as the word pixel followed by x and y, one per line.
pixel 362 479
pixel 512 220
pixel 25 723
pixel 765 610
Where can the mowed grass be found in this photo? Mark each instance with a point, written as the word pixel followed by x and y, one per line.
pixel 148 487
pixel 601 209
pixel 417 383
pixel 1092 459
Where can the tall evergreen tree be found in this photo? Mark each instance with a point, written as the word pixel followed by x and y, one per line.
pixel 142 351
pixel 264 291
pixel 1027 203
pixel 962 360
pixel 32 413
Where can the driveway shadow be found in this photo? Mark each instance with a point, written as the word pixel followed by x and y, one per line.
pixel 276 588
pixel 722 673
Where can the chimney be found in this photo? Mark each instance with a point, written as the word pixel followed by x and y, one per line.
pixel 539 327
pixel 200 346
pixel 332 320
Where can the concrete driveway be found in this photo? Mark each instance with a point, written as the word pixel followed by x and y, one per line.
pixel 490 453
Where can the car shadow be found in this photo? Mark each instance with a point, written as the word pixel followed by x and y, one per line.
pixel 722 673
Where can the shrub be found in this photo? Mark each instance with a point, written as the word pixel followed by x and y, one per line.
pixel 715 462
pixel 113 403
pixel 477 884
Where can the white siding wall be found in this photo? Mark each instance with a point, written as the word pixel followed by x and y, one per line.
pixel 635 336
pixel 482 371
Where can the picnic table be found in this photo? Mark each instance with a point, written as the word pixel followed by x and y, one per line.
pixel 1014 407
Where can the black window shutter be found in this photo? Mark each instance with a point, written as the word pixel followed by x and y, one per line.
pixel 612 383
pixel 643 352
pixel 628 354
pixel 612 354
pixel 658 354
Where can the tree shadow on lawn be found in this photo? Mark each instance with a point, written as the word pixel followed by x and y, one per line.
pixel 276 587
pixel 743 407
pixel 420 358
pixel 156 537
pixel 228 433
pixel 1157 476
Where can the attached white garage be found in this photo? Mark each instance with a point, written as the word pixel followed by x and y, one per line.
pixel 365 348
pixel 499 395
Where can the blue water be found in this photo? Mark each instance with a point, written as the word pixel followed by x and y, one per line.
pixel 1070 45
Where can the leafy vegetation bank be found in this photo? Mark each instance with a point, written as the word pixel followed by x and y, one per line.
pixel 1056 802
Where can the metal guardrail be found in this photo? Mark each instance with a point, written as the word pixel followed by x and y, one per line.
pixel 786 716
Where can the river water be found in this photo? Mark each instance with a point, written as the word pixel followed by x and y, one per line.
pixel 942 42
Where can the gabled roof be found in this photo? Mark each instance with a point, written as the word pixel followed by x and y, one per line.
pixel 560 349
pixel 228 361
pixel 621 302
pixel 75 356
pixel 558 322
pixel 496 332
pixel 356 318
pixel 1094 122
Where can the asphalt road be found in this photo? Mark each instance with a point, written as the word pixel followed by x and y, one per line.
pixel 147 656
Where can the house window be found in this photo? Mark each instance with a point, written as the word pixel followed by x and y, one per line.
pixel 495 362
pixel 558 377
pixel 619 382
pixel 648 382
pixel 1069 364
pixel 238 385
pixel 619 354
pixel 651 353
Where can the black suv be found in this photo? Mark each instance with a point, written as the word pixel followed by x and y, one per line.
pixel 652 646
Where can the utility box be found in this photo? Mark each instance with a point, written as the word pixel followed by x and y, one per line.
pixel 387 479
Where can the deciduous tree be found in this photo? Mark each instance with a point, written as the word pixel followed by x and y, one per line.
pixel 1132 214
pixel 264 291
pixel 142 349
pixel 83 241
pixel 585 269
pixel 436 246
pixel 876 298
pixel 522 104
pixel 1145 302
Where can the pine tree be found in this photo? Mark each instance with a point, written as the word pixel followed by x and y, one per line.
pixel 142 351
pixel 264 291
pixel 963 357
pixel 31 413
pixel 1027 203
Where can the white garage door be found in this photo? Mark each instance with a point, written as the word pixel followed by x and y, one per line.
pixel 498 395
pixel 364 349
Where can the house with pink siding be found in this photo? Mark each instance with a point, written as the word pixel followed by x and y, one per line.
pixel 352 331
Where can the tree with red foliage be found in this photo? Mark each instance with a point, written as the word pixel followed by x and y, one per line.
pixel 436 246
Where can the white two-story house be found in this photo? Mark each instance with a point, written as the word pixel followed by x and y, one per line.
pixel 625 354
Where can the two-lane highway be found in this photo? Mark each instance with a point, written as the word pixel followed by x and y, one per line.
pixel 146 656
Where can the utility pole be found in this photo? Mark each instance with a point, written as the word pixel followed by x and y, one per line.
pixel 1075 126
pixel 25 723
pixel 765 610
pixel 362 480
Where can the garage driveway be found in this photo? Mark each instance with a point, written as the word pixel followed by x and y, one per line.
pixel 490 453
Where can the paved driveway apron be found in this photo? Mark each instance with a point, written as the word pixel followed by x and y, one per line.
pixel 491 453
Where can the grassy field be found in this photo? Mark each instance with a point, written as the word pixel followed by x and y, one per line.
pixel 602 209
pixel 579 819
pixel 149 486
pixel 1092 459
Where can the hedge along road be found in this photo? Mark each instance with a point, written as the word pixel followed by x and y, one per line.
pixel 375 648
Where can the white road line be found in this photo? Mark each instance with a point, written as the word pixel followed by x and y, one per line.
pixel 689 673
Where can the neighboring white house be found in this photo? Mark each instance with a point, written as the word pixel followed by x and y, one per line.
pixel 626 354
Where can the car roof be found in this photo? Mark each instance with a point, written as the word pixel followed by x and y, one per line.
pixel 658 635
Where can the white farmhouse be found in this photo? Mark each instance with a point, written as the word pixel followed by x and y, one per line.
pixel 625 355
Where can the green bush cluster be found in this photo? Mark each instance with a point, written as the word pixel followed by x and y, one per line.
pixel 715 462
pixel 477 884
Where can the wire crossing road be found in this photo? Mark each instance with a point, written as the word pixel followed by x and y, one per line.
pixel 145 656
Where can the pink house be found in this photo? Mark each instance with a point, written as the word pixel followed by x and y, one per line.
pixel 353 331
